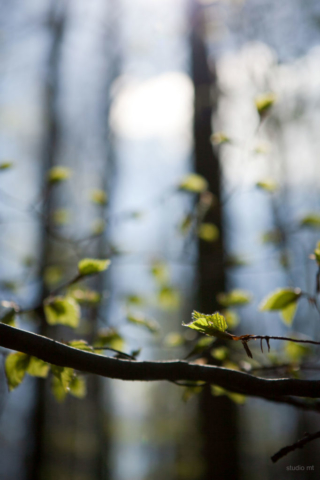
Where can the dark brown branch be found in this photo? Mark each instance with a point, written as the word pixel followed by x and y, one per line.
pixel 299 444
pixel 66 356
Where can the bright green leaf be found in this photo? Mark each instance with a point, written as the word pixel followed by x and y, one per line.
pixel 38 368
pixel 81 345
pixel 64 375
pixel 90 266
pixel 280 299
pixel 232 318
pixel 288 312
pixel 16 365
pixel 78 387
pixel 212 325
pixel 59 174
pixel 264 102
pixel 194 183
pixel 311 220
pixel 140 320
pixel 208 232
pixel 234 298
pixel 62 311
pixel 57 389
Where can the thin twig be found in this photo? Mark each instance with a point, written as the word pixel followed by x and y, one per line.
pixel 291 448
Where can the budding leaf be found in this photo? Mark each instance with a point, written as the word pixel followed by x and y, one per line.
pixel 90 266
pixel 208 232
pixel 62 311
pixel 194 183
pixel 16 366
pixel 59 174
pixel 280 299
pixel 213 325
pixel 264 102
pixel 109 337
pixel 234 298
pixel 311 220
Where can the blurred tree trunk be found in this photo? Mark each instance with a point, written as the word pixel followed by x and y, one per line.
pixel 218 414
pixel 68 437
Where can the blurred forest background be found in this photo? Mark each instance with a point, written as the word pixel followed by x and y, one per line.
pixel 127 94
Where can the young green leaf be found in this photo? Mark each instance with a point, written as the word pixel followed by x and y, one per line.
pixel 57 389
pixel 62 311
pixel 91 266
pixel 280 299
pixel 140 320
pixel 264 102
pixel 296 352
pixel 16 365
pixel 208 232
pixel 64 375
pixel 213 325
pixel 78 387
pixel 58 174
pixel 220 353
pixel 311 220
pixel 193 183
pixel 81 345
pixel 288 312
pixel 38 368
pixel 234 298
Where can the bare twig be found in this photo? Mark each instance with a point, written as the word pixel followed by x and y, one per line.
pixel 299 444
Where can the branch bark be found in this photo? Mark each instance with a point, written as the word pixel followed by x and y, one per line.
pixel 63 355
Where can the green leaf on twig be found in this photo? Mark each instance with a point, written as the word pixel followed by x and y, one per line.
pixel 311 220
pixel 91 266
pixel 62 311
pixel 16 366
pixel 213 325
pixel 208 232
pixel 280 299
pixel 59 174
pixel 38 368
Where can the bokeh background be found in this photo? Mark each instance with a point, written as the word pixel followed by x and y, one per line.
pixel 126 94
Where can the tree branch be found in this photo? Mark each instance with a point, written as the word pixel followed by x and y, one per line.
pixel 59 354
pixel 299 444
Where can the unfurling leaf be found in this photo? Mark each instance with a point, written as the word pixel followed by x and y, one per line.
pixel 38 368
pixel 280 299
pixel 59 174
pixel 264 102
pixel 62 311
pixel 267 185
pixel 90 266
pixel 213 325
pixel 208 232
pixel 78 387
pixel 99 197
pixel 234 298
pixel 140 320
pixel 16 366
pixel 311 220
pixel 194 183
